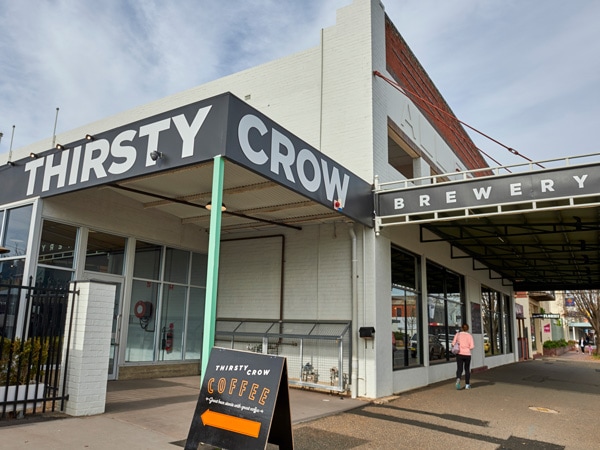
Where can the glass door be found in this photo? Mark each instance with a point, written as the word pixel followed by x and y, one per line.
pixel 117 316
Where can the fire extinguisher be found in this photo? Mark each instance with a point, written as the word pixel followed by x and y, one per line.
pixel 169 339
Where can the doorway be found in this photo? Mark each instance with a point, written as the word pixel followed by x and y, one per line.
pixel 115 336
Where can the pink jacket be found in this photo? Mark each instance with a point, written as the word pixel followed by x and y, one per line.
pixel 465 340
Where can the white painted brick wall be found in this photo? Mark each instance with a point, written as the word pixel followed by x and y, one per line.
pixel 89 348
pixel 317 275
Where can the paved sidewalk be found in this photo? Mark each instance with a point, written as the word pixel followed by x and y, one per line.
pixel 535 404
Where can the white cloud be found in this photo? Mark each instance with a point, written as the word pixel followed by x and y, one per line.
pixel 526 75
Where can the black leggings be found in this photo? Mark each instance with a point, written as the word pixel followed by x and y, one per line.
pixel 463 361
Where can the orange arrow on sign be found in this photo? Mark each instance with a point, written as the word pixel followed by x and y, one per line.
pixel 230 423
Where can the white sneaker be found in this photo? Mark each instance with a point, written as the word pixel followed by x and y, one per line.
pixel 458 383
pixel 468 386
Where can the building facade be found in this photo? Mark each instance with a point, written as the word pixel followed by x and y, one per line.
pixel 403 297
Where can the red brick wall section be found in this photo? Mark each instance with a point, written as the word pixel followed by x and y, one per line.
pixel 408 73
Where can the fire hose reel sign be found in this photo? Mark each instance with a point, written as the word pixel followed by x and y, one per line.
pixel 244 402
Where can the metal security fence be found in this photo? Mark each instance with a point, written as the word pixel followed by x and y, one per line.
pixel 318 353
pixel 32 334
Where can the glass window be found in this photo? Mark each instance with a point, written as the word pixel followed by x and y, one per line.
pixel 18 221
pixel 56 260
pixel 172 321
pixel 497 334
pixel 57 245
pixel 199 263
pixel 167 323
pixel 142 321
pixel 195 323
pixel 11 271
pixel 147 261
pixel 177 265
pixel 507 325
pixel 105 253
pixel 445 309
pixel 9 304
pixel 405 309
pixel 50 277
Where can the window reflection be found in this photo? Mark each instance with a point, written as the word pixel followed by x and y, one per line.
pixel 105 253
pixel 405 309
pixel 496 322
pixel 168 323
pixel 56 260
pixel 445 310
pixel 18 221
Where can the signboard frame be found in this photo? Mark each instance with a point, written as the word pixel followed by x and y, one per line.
pixel 243 403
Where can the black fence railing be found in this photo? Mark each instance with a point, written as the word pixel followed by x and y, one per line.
pixel 32 334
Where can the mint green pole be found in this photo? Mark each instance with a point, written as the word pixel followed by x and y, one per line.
pixel 212 271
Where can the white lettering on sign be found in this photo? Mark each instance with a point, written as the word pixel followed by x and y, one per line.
pixel 547 186
pixel 483 193
pixel 515 189
pixel 101 157
pixel 303 166
pixel 580 180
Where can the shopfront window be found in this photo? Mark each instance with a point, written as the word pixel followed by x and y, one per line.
pixel 496 322
pixel 141 335
pixel 445 309
pixel 195 324
pixel 172 321
pixel 167 311
pixel 105 253
pixel 405 308
pixel 11 271
pixel 14 234
pixel 147 261
pixel 56 259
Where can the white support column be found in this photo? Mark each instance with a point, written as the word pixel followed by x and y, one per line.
pixel 89 348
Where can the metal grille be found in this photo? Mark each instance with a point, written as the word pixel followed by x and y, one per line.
pixel 32 334
pixel 318 353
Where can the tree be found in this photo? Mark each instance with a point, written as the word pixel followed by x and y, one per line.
pixel 588 304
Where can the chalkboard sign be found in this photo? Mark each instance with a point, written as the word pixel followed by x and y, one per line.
pixel 244 402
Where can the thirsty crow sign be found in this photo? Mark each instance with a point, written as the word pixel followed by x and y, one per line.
pixel 191 134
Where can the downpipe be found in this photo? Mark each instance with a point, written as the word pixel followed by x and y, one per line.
pixel 354 340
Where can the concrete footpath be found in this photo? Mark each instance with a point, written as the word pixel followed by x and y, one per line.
pixel 549 403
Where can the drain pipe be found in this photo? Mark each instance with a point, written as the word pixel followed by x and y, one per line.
pixel 354 340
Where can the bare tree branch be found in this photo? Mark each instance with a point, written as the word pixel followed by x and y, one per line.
pixel 588 304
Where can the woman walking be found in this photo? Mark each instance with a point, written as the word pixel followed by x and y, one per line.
pixel 463 357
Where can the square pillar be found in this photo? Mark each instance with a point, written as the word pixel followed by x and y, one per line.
pixel 89 348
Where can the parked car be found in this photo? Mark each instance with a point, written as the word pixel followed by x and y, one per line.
pixel 436 349
pixel 486 343
pixel 442 339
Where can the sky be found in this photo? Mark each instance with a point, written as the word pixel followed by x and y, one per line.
pixel 525 73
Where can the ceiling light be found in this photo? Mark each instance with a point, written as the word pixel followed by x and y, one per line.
pixel 33 155
pixel 89 137
pixel 209 206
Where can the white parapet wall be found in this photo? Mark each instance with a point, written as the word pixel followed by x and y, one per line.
pixel 89 348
